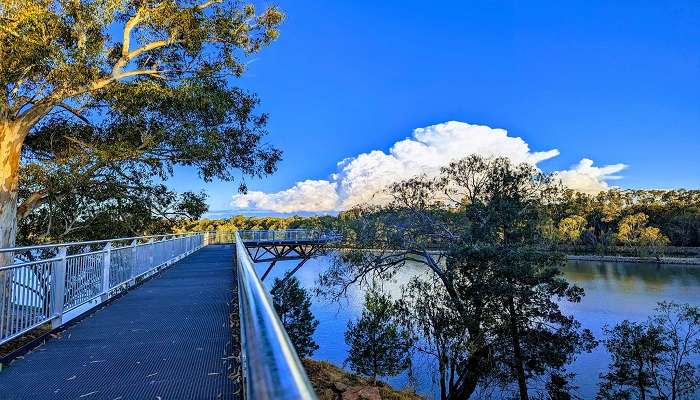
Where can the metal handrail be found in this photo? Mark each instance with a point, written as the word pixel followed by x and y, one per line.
pixel 92 242
pixel 271 367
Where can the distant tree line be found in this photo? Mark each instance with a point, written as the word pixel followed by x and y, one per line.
pixel 639 219
pixel 643 218
pixel 241 222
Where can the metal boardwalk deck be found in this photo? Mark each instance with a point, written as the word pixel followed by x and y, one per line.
pixel 166 339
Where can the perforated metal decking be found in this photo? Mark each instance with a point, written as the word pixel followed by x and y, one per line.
pixel 166 339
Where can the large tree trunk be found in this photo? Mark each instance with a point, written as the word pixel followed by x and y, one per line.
pixel 472 371
pixel 517 351
pixel 11 138
pixel 12 135
pixel 469 376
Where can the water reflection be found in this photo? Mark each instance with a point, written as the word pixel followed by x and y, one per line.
pixel 614 291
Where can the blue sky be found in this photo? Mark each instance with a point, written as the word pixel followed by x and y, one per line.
pixel 615 82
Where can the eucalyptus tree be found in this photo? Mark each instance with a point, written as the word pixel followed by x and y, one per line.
pixel 633 216
pixel 78 179
pixel 424 309
pixel 83 57
pixel 478 230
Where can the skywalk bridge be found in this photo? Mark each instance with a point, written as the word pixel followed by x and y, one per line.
pixel 148 318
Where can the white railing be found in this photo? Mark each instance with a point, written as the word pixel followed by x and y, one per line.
pixel 56 283
pixel 288 235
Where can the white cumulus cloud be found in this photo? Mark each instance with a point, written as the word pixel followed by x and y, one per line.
pixel 358 178
pixel 586 178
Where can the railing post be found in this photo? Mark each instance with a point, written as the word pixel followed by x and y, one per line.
pixel 151 250
pixel 106 267
pixel 59 285
pixel 132 264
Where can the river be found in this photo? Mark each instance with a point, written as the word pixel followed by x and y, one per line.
pixel 614 292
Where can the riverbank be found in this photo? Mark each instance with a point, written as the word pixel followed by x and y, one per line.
pixel 333 383
pixel 630 259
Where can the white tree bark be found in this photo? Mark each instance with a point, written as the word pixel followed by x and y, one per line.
pixel 12 135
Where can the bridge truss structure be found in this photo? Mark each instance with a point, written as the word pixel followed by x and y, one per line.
pixel 288 245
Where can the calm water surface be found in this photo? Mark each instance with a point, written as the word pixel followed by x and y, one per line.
pixel 614 291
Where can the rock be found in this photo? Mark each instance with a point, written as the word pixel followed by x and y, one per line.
pixel 370 393
pixel 340 386
pixel 362 393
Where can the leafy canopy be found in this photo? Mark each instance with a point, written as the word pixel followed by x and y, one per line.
pixel 654 359
pixel 52 50
pixel 111 95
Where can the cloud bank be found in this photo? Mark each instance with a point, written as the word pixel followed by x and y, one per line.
pixel 308 195
pixel 358 178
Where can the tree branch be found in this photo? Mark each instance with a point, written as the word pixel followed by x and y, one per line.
pixel 32 202
pixel 126 35
pixel 74 111
pixel 206 4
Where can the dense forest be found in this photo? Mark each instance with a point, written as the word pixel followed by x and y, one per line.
pixel 629 217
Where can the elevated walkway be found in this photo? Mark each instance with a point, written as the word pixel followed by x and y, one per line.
pixel 168 338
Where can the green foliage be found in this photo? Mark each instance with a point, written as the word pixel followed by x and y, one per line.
pixel 77 175
pixel 559 386
pixel 106 97
pixel 378 344
pixel 293 305
pixel 109 211
pixel 654 359
pixel 426 312
pixel 633 229
pixel 646 218
pixel 571 228
pixel 54 50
